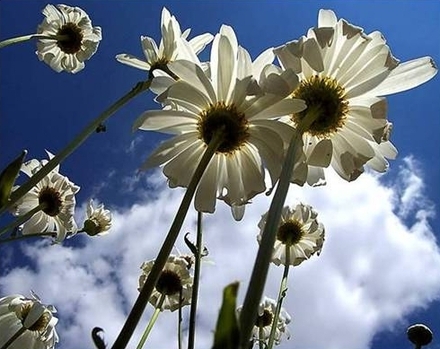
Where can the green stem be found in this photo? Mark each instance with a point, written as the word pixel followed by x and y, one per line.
pixel 196 282
pixel 281 295
pixel 24 38
pixel 179 322
pixel 152 321
pixel 255 289
pixel 14 337
pixel 22 219
pixel 261 337
pixel 76 142
pixel 22 237
pixel 139 306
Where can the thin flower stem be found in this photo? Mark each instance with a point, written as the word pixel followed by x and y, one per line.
pixel 151 322
pixel 24 38
pixel 16 40
pixel 139 306
pixel 179 322
pixel 76 142
pixel 22 237
pixel 262 261
pixel 22 219
pixel 281 295
pixel 13 338
pixel 196 282
pixel 261 337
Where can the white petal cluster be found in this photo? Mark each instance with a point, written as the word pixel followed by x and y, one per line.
pixel 80 39
pixel 363 68
pixel 247 96
pixel 16 312
pixel 56 189
pixel 263 326
pixel 309 241
pixel 174 45
pixel 99 220
pixel 174 284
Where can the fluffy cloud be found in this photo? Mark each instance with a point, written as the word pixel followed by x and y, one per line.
pixel 379 262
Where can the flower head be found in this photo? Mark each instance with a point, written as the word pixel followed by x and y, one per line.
pixel 343 72
pixel 174 287
pixel 69 38
pixel 99 220
pixel 57 195
pixel 16 312
pixel 299 232
pixel 263 325
pixel 201 104
pixel 173 46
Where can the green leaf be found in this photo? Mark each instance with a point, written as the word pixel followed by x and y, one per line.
pixel 8 177
pixel 227 334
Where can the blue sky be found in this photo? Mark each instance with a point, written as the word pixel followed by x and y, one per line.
pixel 40 109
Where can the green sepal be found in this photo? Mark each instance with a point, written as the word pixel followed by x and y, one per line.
pixel 8 177
pixel 227 333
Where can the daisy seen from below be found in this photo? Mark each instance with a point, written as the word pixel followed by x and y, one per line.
pixel 66 38
pixel 56 195
pixel 298 231
pixel 343 74
pixel 200 105
pixel 173 45
pixel 99 220
pixel 263 325
pixel 27 323
pixel 174 286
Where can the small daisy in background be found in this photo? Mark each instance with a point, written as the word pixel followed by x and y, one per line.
pixel 263 325
pixel 174 288
pixel 55 197
pixel 98 221
pixel 69 38
pixel 173 45
pixel 26 323
pixel 298 231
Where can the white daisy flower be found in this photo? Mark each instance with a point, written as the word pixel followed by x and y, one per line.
pixel 70 39
pixel 205 104
pixel 299 231
pixel 174 284
pixel 36 320
pixel 58 195
pixel 263 325
pixel 99 220
pixel 343 72
pixel 173 46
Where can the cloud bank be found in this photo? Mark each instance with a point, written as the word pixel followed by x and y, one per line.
pixel 379 262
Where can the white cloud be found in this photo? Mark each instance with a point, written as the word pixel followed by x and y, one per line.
pixel 375 267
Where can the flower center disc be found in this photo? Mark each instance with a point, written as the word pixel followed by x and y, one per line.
pixel 264 319
pixel 52 200
pixel 227 118
pixel 169 283
pixel 290 232
pixel 73 41
pixel 326 97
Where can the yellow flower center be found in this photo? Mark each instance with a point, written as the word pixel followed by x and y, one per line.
pixel 52 200
pixel 73 38
pixel 264 319
pixel 169 283
pixel 326 97
pixel 41 324
pixel 228 119
pixel 290 232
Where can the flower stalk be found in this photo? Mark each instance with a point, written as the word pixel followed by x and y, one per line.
pixel 76 142
pixel 281 295
pixel 264 254
pixel 196 282
pixel 151 322
pixel 23 218
pixel 144 295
